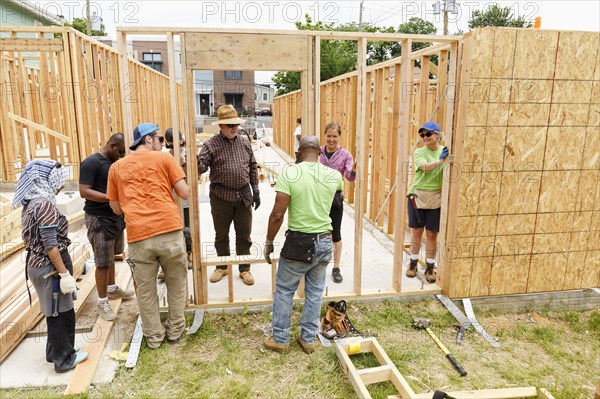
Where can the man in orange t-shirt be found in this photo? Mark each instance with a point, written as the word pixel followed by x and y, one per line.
pixel 141 187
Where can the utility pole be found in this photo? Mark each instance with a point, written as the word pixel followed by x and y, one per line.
pixel 445 19
pixel 87 16
pixel 360 18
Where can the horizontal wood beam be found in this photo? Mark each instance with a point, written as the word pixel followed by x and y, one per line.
pixel 232 260
pixel 502 393
pixel 36 29
pixel 141 30
pixel 31 44
pixel 39 127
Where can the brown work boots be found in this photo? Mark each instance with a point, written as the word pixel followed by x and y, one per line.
pixel 430 273
pixel 412 268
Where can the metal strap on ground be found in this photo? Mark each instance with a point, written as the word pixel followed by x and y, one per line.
pixel 476 325
pixel 198 317
pixel 452 308
pixel 136 343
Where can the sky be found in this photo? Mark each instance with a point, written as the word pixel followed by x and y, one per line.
pixel 555 14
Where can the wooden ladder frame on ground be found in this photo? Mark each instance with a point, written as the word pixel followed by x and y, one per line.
pixel 387 371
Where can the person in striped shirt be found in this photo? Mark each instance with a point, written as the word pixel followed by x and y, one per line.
pixel 45 235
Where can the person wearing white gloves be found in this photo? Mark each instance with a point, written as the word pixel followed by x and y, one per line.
pixel 48 263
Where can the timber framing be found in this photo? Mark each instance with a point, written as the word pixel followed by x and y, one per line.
pixel 221 49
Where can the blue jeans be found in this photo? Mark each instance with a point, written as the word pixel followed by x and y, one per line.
pixel 289 274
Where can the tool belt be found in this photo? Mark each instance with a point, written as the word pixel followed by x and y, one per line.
pixel 427 199
pixel 300 247
pixel 337 319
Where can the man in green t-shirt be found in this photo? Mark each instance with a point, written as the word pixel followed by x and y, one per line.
pixel 307 189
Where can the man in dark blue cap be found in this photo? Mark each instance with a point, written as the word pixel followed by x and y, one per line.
pixel 141 187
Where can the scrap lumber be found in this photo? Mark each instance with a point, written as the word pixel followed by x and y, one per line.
pixel 84 372
pixel 502 393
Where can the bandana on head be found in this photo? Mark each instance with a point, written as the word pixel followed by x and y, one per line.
pixel 41 178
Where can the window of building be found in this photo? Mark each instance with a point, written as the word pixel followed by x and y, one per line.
pixel 265 97
pixel 255 96
pixel 153 60
pixel 233 75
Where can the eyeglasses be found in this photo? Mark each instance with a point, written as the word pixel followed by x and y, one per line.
pixel 231 126
pixel 428 134
pixel 161 139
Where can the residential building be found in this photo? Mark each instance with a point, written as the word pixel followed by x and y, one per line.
pixel 263 95
pixel 235 88
pixel 27 13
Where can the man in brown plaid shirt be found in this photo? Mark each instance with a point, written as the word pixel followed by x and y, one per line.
pixel 233 189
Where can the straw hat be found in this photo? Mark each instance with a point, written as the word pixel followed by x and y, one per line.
pixel 226 114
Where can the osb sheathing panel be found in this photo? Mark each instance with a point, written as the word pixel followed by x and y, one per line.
pixel 529 202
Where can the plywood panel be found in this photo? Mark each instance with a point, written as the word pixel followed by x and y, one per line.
pixel 551 242
pixel 481 277
pixel 570 115
pixel 513 244
pixel 564 148
pixel 523 148
pixel 477 114
pixel 535 54
pixel 556 222
pixel 461 274
pixel 489 193
pixel 472 155
pixel 577 46
pixel 520 191
pixel 594 115
pixel 575 270
pixel 578 241
pixel 498 114
pixel 515 224
pixel 486 225
pixel 531 91
pixel 525 114
pixel 481 60
pixel 484 246
pixel 494 139
pixel 559 191
pixel 591 272
pixel 593 243
pixel 582 221
pixel 547 272
pixel 504 53
pixel 240 51
pixel 469 194
pixel 507 275
pixel 575 91
pixel 588 185
pixel 464 247
pixel 486 90
pixel 465 225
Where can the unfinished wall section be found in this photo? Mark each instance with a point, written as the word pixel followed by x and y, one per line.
pixel 528 151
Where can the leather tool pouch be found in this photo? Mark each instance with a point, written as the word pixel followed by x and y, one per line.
pixel 428 199
pixel 299 247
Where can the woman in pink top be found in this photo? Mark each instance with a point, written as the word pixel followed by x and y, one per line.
pixel 340 159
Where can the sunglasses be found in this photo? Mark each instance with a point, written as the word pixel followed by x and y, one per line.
pixel 231 126
pixel 161 139
pixel 428 134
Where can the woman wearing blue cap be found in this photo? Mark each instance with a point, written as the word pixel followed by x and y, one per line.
pixel 425 198
pixel 48 264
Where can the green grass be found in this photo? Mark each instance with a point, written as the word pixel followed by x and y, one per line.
pixel 225 359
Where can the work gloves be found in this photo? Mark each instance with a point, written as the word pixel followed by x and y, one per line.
pixel 256 200
pixel 68 285
pixel 268 250
pixel 444 153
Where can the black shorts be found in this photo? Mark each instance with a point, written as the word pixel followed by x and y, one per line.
pixel 428 218
pixel 336 214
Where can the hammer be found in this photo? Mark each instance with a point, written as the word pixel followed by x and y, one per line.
pixel 423 324
pixel 56 289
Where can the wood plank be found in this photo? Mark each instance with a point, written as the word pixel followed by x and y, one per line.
pixel 243 52
pixel 501 393
pixel 199 274
pixel 31 44
pixel 84 372
pixel 361 176
pixel 406 73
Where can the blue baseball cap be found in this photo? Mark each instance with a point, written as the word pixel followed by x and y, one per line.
pixel 430 126
pixel 141 130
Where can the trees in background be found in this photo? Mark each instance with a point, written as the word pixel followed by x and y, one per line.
pixel 340 56
pixel 497 16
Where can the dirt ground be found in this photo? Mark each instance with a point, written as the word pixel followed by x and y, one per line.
pixel 559 351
